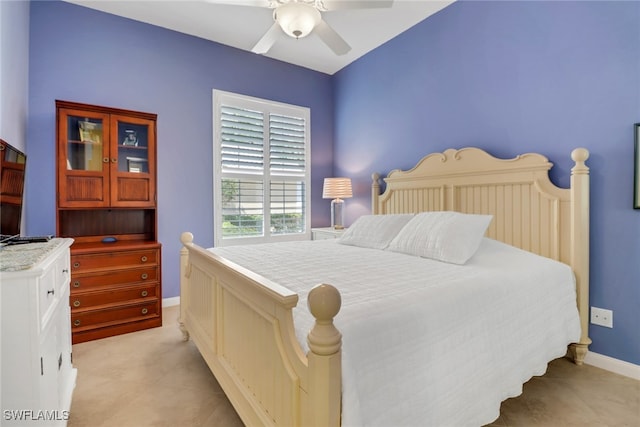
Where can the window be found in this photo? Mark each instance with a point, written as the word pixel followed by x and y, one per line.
pixel 261 170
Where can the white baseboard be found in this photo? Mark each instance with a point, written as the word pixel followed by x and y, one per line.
pixel 616 366
pixel 170 302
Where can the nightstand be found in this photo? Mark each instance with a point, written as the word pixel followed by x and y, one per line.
pixel 326 233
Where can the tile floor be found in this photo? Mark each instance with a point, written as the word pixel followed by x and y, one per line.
pixel 153 378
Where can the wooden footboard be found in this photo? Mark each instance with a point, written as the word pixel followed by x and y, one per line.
pixel 242 324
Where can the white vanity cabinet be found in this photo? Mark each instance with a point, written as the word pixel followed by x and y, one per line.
pixel 37 374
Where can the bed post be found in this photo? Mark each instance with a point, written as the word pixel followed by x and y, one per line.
pixel 580 246
pixel 324 357
pixel 375 193
pixel 187 239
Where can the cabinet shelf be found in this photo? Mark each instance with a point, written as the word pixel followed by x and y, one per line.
pixel 132 147
pixel 75 141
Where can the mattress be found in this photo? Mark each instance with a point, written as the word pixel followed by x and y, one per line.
pixel 426 342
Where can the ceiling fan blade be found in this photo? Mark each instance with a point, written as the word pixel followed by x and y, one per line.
pixel 356 4
pixel 269 38
pixel 331 38
pixel 254 3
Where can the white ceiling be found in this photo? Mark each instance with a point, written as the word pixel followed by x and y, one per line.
pixel 243 26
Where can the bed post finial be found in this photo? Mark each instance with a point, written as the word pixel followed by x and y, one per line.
pixel 580 155
pixel 324 303
pixel 186 238
pixel 324 357
pixel 375 193
pixel 580 246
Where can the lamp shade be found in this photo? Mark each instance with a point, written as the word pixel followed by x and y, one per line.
pixel 337 188
pixel 297 19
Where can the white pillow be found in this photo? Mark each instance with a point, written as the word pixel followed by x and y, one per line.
pixel 444 236
pixel 374 231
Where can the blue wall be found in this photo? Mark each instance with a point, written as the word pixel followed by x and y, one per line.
pixel 78 54
pixel 14 72
pixel 511 78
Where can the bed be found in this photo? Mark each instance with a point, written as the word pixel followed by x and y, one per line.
pixel 281 364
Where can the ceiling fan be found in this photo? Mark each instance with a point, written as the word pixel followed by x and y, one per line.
pixel 298 18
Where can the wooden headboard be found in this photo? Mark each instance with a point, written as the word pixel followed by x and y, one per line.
pixel 529 211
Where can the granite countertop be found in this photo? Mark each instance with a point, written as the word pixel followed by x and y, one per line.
pixel 24 256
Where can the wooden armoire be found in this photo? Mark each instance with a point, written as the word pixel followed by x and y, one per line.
pixel 107 202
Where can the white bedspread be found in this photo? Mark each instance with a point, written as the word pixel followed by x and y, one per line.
pixel 427 343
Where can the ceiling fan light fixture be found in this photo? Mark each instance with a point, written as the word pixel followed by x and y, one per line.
pixel 297 19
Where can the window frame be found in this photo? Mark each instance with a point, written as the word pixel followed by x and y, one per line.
pixel 267 107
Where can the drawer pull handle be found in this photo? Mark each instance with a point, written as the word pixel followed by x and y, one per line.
pixel 76 264
pixel 105 160
pixel 144 276
pixel 143 259
pixel 76 322
pixel 145 310
pixel 51 292
pixel 65 270
pixel 76 284
pixel 145 293
pixel 76 303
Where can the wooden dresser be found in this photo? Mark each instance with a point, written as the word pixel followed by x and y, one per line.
pixel 38 377
pixel 106 182
pixel 115 289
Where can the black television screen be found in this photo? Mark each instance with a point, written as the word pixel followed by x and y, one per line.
pixel 12 175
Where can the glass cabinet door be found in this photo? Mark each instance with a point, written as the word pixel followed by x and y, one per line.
pixel 85 144
pixel 133 147
pixel 83 158
pixel 133 161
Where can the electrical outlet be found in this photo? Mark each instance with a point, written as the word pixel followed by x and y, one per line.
pixel 602 317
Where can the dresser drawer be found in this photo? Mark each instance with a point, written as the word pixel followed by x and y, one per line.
pixel 113 316
pixel 48 294
pixel 51 287
pixel 89 300
pixel 62 272
pixel 109 260
pixel 80 282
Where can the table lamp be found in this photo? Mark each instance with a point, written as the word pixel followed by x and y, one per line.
pixel 337 189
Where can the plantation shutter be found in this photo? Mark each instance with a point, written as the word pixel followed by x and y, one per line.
pixel 242 145
pixel 242 154
pixel 287 159
pixel 263 171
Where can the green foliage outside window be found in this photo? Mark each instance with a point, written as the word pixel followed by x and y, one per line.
pixel 251 225
pixel 229 190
